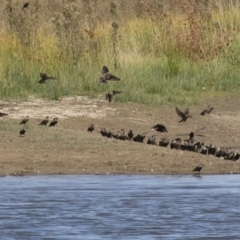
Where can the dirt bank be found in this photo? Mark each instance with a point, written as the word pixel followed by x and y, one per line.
pixel 69 149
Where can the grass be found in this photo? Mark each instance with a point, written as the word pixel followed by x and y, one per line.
pixel 178 58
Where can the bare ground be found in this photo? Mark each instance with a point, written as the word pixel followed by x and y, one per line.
pixel 69 149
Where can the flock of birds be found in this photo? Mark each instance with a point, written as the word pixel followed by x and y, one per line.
pixel 186 145
pixel 177 143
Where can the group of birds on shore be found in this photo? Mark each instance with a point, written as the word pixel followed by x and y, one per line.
pixel 179 144
pixel 44 122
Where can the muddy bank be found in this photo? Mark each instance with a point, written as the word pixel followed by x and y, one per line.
pixel 69 149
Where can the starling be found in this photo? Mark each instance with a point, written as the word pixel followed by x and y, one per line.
pixel 184 115
pixel 109 96
pixel 45 77
pixel 152 140
pixel 53 122
pixel 198 168
pixel 207 111
pixel 164 142
pixel 22 132
pixel 25 5
pixel 24 121
pixel 3 114
pixel 130 134
pixel 159 128
pixel 103 132
pixel 139 138
pixel 107 76
pixel 44 122
pixel 91 128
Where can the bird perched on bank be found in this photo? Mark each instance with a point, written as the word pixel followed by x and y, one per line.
pixel 109 96
pixel 107 76
pixel 91 128
pixel 53 122
pixel 3 114
pixel 130 134
pixel 103 132
pixel 207 110
pixel 25 5
pixel 45 77
pixel 139 138
pixel 164 142
pixel 184 115
pixel 152 140
pixel 198 168
pixel 22 132
pixel 44 122
pixel 159 128
pixel 24 121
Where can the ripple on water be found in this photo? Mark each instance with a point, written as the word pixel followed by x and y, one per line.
pixel 120 207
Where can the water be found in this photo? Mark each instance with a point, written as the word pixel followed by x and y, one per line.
pixel 120 207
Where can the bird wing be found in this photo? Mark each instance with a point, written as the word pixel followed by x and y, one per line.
pixel 50 77
pixel 3 114
pixel 200 129
pixel 111 77
pixel 105 70
pixel 203 112
pixel 186 112
pixel 179 113
pixel 195 169
pixel 115 92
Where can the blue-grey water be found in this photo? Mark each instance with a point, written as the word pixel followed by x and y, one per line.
pixel 120 207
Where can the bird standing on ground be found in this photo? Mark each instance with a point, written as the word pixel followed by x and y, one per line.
pixel 107 76
pixel 24 121
pixel 109 96
pixel 53 122
pixel 91 128
pixel 207 110
pixel 22 132
pixel 3 114
pixel 184 115
pixel 159 128
pixel 45 77
pixel 198 168
pixel 44 122
pixel 25 5
pixel 130 134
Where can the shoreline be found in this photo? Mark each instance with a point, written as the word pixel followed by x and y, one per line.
pixel 68 148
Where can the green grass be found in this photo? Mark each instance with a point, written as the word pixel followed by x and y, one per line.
pixel 166 61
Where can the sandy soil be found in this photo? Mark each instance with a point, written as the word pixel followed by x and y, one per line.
pixel 69 149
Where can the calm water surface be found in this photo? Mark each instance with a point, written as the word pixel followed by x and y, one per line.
pixel 120 207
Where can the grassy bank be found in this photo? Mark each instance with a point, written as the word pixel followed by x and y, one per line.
pixel 163 53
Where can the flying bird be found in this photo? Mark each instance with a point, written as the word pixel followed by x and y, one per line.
pixel 25 5
pixel 198 168
pixel 44 122
pixel 184 115
pixel 53 122
pixel 109 96
pixel 207 110
pixel 91 128
pixel 45 77
pixel 159 128
pixel 107 76
pixel 3 114
pixel 24 121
